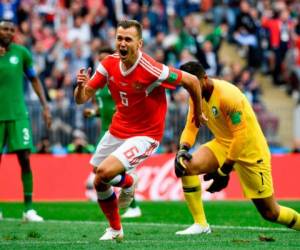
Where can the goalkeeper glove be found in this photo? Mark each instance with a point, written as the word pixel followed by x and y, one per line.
pixel 220 178
pixel 182 154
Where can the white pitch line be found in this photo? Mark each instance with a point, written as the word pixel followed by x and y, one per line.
pixel 152 224
pixel 44 242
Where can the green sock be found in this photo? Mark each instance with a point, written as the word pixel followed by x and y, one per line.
pixel 27 190
pixel 133 204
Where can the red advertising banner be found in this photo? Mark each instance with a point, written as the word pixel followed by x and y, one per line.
pixel 64 179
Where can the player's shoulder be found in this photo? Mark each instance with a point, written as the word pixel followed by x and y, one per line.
pixel 17 47
pixel 227 91
pixel 111 58
pixel 114 56
pixel 148 59
pixel 150 65
pixel 225 87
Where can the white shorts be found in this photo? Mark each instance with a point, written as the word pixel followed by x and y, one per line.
pixel 131 152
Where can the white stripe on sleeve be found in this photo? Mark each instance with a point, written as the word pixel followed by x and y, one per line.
pixel 102 70
pixel 163 76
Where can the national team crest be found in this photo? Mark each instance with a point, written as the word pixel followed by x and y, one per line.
pixel 137 86
pixel 14 60
pixel 215 111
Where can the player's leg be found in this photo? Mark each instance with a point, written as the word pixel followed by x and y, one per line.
pixel 133 210
pixel 257 184
pixel 106 197
pixel 29 213
pixel 193 195
pixel 26 175
pixel 206 159
pixel 2 142
pixel 112 172
pixel 108 203
pixel 272 211
pixel 20 141
pixel 131 153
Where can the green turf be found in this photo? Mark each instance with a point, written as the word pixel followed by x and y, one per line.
pixel 236 225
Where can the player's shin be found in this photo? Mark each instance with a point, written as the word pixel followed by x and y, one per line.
pixel 27 189
pixel 108 203
pixel 193 196
pixel 289 218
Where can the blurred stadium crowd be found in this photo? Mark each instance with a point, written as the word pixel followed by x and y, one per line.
pixel 65 36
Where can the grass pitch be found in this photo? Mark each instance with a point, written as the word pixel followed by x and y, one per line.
pixel 235 225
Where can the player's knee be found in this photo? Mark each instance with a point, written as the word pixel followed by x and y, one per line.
pixel 269 215
pixel 192 170
pixel 102 176
pixel 97 182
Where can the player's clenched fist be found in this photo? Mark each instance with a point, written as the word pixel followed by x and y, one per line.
pixel 201 120
pixel 83 77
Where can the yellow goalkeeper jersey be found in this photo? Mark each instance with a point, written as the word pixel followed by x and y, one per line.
pixel 233 122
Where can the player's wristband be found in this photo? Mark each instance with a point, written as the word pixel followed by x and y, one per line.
pixel 221 173
pixel 225 169
pixel 184 147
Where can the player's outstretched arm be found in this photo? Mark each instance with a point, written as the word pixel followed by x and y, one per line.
pixel 82 91
pixel 192 85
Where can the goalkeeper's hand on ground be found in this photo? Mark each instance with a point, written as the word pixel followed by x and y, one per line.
pixel 182 154
pixel 220 178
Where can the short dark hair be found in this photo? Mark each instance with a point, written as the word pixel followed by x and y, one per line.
pixel 131 23
pixel 105 49
pixel 194 68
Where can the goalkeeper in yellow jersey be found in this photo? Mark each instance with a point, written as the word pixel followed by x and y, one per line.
pixel 238 144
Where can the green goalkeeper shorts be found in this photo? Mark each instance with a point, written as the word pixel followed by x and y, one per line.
pixel 16 134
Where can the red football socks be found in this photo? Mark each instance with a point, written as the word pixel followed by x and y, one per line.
pixel 111 211
pixel 128 181
pixel 125 182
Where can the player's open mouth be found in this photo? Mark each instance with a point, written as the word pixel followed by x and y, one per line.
pixel 7 39
pixel 123 52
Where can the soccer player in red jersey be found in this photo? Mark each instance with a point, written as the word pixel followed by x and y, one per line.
pixel 137 84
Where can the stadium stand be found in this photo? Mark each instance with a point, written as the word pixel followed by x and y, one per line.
pixel 65 35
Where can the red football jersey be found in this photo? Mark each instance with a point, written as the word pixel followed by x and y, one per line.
pixel 139 94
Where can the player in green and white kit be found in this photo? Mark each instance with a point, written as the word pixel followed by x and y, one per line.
pixel 105 109
pixel 15 129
